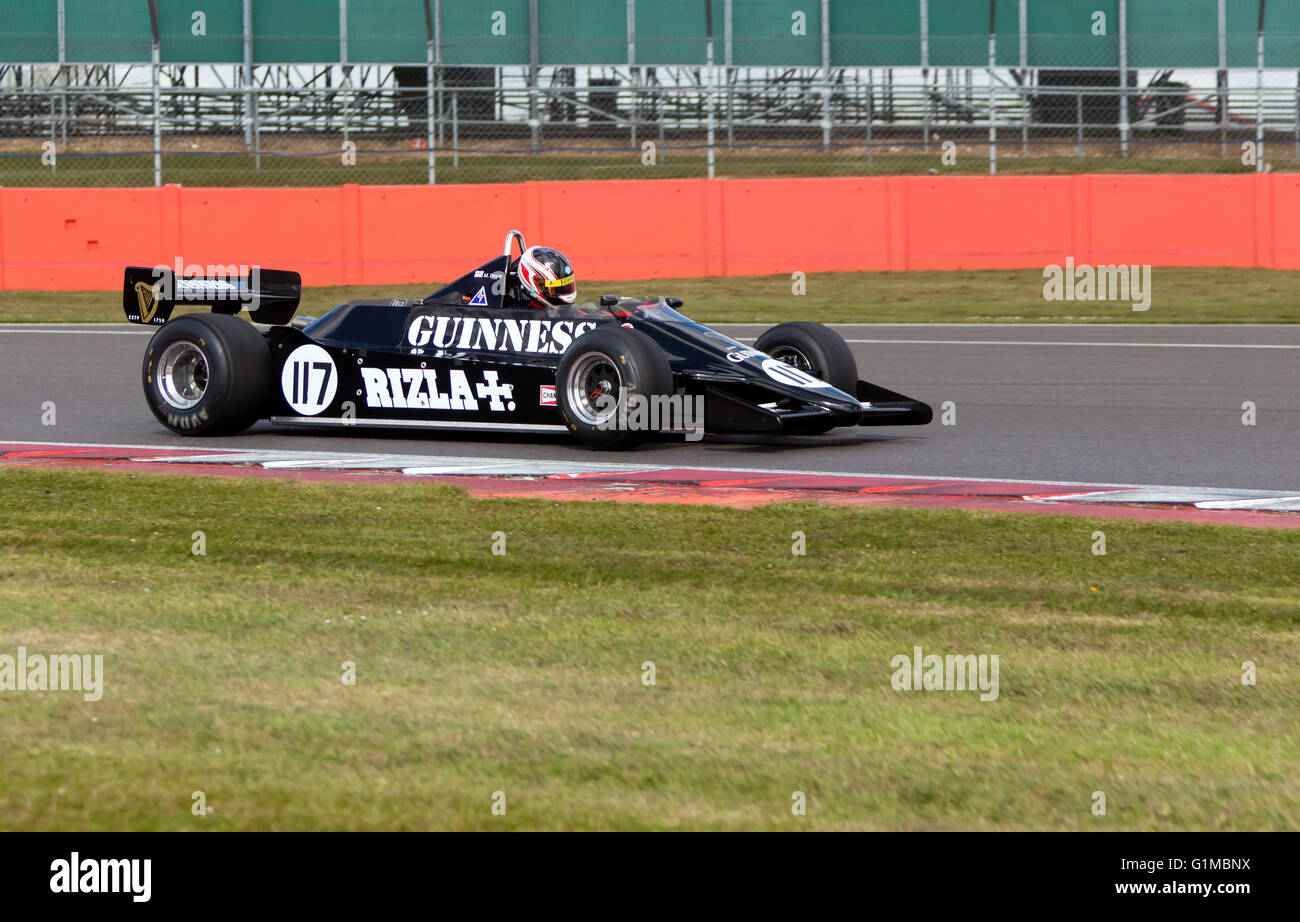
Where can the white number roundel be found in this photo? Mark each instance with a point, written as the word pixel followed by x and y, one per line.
pixel 309 380
pixel 795 377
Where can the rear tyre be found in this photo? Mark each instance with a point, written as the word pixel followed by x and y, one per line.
pixel 207 374
pixel 600 373
pixel 816 349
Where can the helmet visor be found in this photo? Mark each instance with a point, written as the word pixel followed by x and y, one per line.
pixel 564 289
pixel 560 289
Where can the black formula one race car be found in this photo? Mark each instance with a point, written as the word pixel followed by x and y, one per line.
pixel 613 374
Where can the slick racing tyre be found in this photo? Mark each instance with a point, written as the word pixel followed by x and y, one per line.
pixel 601 377
pixel 207 374
pixel 816 349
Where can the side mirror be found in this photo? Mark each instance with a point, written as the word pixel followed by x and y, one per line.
pixel 608 300
pixel 673 302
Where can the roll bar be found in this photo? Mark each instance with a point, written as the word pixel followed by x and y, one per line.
pixel 510 238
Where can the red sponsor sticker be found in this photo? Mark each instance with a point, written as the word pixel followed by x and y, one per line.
pixel 547 398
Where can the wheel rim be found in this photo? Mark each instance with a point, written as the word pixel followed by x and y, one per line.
pixel 593 376
pixel 796 357
pixel 182 375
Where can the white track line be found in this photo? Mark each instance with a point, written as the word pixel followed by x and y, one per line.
pixel 1104 325
pixel 900 342
pixel 1060 342
pixel 18 328
pixel 13 329
pixel 974 478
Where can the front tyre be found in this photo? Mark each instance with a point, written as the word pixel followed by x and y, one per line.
pixel 599 377
pixel 207 374
pixel 813 348
pixel 816 349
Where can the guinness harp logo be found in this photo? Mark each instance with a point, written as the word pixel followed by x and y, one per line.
pixel 147 295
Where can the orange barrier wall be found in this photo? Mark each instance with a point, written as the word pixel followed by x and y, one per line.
pixel 67 239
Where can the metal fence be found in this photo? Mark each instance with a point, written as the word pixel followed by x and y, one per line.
pixel 105 92
pixel 579 123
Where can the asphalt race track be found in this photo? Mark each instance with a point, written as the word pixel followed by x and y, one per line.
pixel 1149 404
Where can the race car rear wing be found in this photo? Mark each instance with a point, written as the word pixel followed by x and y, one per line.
pixel 269 295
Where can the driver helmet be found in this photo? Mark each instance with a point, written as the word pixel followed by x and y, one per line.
pixel 546 275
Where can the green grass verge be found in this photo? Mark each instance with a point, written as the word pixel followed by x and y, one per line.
pixel 522 673
pixel 374 168
pixel 1178 296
